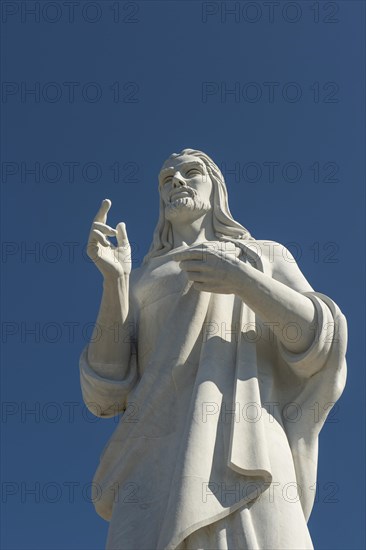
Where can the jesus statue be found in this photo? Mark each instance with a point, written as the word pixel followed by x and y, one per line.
pixel 213 352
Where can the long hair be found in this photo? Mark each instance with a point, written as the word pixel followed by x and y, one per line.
pixel 224 225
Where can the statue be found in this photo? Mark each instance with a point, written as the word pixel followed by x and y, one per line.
pixel 221 351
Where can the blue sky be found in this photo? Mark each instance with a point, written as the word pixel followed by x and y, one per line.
pixel 274 94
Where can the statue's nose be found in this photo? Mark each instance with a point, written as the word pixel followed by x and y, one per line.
pixel 178 181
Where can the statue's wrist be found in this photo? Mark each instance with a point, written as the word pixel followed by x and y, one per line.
pixel 241 279
pixel 111 280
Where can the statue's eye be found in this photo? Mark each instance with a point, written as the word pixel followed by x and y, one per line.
pixel 193 172
pixel 167 179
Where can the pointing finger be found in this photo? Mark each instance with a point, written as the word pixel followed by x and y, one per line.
pixel 103 211
pixel 122 238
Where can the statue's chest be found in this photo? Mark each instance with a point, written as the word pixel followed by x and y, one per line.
pixel 161 278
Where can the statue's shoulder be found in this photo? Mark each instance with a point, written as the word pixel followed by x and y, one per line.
pixel 279 262
pixel 272 252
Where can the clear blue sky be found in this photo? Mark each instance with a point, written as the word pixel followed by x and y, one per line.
pixel 118 86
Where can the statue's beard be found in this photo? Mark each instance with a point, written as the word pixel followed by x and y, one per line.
pixel 191 207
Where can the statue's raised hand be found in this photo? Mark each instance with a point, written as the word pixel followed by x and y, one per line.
pixel 112 261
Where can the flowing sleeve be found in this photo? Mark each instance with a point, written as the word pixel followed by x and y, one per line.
pixel 103 396
pixel 313 359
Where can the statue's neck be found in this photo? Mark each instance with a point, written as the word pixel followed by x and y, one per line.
pixel 193 232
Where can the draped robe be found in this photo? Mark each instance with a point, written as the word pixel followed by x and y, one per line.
pixel 217 447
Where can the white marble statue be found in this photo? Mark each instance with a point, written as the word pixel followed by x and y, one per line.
pixel 224 363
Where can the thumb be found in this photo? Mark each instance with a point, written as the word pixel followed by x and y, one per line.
pixel 122 238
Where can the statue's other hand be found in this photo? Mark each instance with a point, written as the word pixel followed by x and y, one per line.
pixel 213 267
pixel 112 261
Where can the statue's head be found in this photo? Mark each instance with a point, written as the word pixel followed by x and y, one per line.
pixel 191 183
pixel 185 188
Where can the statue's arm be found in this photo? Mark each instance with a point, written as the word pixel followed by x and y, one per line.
pixel 109 350
pixel 278 298
pixel 108 366
pixel 275 295
pixel 325 337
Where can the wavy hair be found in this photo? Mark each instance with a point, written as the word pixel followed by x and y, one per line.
pixel 224 225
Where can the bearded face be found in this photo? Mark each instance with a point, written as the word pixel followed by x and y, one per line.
pixel 186 202
pixel 185 188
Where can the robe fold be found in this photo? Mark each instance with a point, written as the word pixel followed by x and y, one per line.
pixel 221 421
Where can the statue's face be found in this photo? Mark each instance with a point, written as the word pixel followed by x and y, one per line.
pixel 185 186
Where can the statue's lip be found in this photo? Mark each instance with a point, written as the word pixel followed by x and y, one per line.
pixel 180 194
